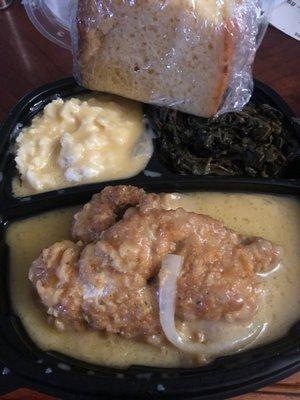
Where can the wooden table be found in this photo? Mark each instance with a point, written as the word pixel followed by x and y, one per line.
pixel 28 60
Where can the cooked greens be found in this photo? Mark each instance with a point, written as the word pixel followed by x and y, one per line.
pixel 258 141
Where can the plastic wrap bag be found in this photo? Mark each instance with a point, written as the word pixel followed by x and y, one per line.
pixel 191 55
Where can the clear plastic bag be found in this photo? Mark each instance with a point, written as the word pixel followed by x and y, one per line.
pixel 191 55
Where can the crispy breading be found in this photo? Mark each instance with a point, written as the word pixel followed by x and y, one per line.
pixel 115 278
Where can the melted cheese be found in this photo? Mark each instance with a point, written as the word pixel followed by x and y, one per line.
pixel 81 141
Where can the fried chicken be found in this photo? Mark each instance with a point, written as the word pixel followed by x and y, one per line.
pixel 55 276
pixel 103 210
pixel 109 279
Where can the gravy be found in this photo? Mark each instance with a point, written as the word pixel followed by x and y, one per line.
pixel 275 218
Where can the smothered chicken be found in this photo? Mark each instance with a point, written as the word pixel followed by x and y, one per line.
pixel 108 277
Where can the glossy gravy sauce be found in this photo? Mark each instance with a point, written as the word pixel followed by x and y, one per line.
pixel 274 218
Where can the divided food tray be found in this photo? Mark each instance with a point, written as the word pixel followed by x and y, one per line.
pixel 227 376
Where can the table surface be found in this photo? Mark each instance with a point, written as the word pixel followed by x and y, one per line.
pixel 28 60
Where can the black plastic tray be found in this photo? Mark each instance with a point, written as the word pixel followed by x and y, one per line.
pixel 226 377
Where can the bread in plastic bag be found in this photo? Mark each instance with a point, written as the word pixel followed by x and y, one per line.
pixel 191 55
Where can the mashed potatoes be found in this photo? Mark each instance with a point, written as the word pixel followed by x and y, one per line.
pixel 80 141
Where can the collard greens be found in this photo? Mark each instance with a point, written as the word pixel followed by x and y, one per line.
pixel 255 142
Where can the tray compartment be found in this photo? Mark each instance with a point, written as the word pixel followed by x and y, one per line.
pixel 35 101
pixel 230 375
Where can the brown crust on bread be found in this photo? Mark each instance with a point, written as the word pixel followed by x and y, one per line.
pixel 229 33
pixel 83 33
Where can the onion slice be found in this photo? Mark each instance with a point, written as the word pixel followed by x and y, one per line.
pixel 169 272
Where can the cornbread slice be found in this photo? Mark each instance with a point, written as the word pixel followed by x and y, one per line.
pixel 175 53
